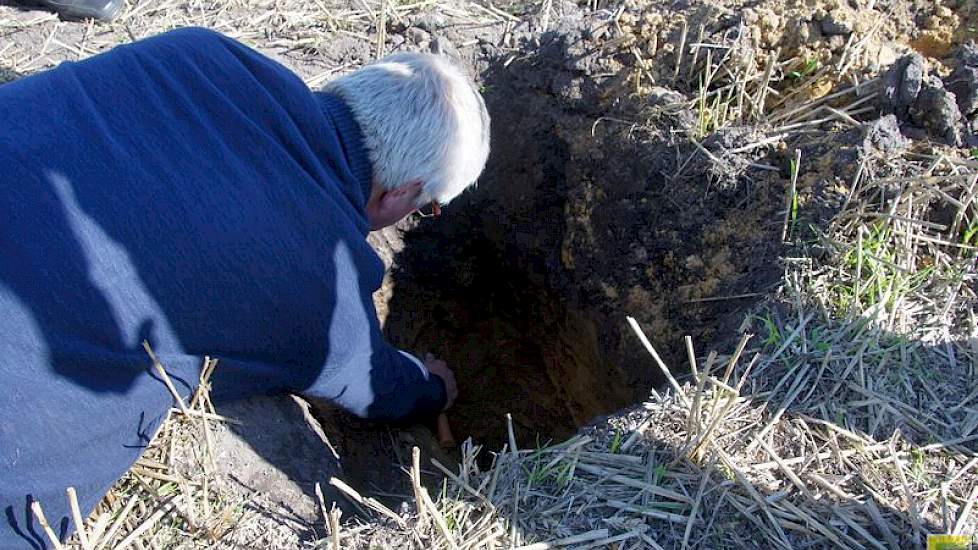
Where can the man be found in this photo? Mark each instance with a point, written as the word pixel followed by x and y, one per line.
pixel 187 191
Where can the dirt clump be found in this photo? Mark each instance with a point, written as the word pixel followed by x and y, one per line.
pixel 882 137
pixel 963 82
pixel 926 105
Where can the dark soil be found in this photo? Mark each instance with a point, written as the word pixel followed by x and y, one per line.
pixel 930 106
pixel 591 210
pixel 524 283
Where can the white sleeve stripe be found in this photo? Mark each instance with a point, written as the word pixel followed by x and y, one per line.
pixel 416 361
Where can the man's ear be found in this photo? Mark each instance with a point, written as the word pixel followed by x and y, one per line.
pixel 412 190
pixel 389 206
pixel 403 199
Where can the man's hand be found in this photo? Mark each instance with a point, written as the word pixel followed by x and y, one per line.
pixel 440 368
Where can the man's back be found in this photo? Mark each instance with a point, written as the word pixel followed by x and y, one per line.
pixel 189 192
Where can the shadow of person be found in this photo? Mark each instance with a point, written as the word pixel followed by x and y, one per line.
pixel 276 449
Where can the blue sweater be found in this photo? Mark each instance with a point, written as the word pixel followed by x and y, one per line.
pixel 187 191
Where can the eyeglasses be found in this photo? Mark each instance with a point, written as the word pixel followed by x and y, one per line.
pixel 430 210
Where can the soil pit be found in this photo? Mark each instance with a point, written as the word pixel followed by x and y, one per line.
pixel 515 345
pixel 523 284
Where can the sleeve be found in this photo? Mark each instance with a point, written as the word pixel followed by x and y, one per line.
pixel 390 386
pixel 404 390
pixel 364 374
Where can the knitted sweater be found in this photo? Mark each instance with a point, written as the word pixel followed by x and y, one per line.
pixel 186 191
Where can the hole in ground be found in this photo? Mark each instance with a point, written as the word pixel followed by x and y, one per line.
pixel 524 283
pixel 514 344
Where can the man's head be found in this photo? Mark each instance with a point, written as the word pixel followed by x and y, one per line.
pixel 426 129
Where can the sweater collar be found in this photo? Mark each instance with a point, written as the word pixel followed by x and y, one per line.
pixel 351 138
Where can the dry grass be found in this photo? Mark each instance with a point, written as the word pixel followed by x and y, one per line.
pixel 759 100
pixel 729 459
pixel 307 33
pixel 170 495
pixel 850 420
pixel 714 463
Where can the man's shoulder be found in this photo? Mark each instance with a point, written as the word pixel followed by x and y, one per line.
pixel 202 53
pixel 192 34
pixel 202 34
pixel 188 39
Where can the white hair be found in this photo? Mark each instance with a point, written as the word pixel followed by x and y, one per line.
pixel 422 119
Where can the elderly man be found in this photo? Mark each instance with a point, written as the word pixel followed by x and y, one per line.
pixel 187 191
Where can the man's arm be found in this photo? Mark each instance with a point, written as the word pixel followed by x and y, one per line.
pixel 389 385
pixel 404 389
pixel 364 374
pixel 440 368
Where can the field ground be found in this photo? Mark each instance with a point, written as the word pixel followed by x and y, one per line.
pixel 780 196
